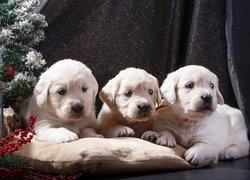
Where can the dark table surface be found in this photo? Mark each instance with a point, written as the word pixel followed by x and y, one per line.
pixel 235 169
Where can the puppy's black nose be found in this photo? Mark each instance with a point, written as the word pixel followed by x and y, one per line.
pixel 206 98
pixel 144 107
pixel 77 108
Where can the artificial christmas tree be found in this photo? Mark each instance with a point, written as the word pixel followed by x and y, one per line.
pixel 20 64
pixel 21 28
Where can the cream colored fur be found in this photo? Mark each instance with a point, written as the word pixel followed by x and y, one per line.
pixel 64 103
pixel 206 129
pixel 123 96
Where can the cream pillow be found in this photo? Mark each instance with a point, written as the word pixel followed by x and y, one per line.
pixel 99 156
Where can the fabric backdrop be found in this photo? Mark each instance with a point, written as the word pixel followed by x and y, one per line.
pixel 156 35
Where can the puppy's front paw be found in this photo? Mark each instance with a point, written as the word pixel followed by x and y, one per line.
pixel 119 131
pixel 56 135
pixel 65 135
pixel 125 132
pixel 166 139
pixel 150 136
pixel 193 156
pixel 198 154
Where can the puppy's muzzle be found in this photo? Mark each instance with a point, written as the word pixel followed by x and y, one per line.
pixel 144 109
pixel 77 110
pixel 207 102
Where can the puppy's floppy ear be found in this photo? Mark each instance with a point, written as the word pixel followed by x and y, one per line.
pixel 168 88
pixel 159 96
pixel 95 86
pixel 41 91
pixel 158 91
pixel 107 93
pixel 95 92
pixel 220 99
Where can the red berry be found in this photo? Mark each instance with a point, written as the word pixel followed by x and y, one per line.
pixel 11 71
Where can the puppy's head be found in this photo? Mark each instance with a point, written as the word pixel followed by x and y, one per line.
pixel 192 92
pixel 134 93
pixel 67 90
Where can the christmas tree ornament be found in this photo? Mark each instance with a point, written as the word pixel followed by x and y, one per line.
pixel 11 71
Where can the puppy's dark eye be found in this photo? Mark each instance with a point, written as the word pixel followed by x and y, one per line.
pixel 190 85
pixel 62 92
pixel 150 91
pixel 212 85
pixel 84 89
pixel 128 93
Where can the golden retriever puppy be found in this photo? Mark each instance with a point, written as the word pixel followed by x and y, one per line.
pixel 129 101
pixel 195 119
pixel 64 103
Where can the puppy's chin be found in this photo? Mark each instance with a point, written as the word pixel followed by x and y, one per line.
pixel 198 114
pixel 70 118
pixel 137 120
pixel 135 116
pixel 203 110
pixel 192 114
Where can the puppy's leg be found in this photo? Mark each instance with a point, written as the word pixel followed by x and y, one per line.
pixel 150 136
pixel 235 151
pixel 166 138
pixel 201 152
pixel 118 131
pixel 239 141
pixel 56 135
pixel 89 132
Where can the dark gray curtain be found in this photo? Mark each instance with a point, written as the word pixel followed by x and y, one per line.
pixel 156 35
pixel 238 38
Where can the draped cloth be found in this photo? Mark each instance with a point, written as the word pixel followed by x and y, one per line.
pixel 156 35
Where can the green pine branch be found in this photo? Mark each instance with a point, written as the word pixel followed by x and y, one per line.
pixel 5 7
pixel 20 30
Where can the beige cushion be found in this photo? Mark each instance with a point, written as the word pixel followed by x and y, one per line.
pixel 97 156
